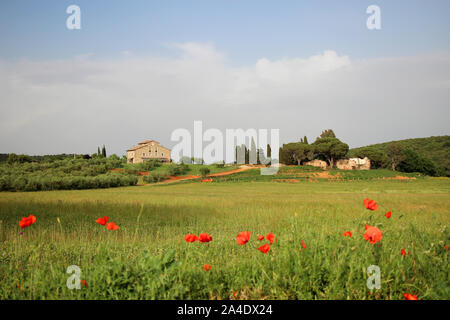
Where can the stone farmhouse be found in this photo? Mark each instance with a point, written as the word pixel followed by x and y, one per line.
pixel 353 164
pixel 148 150
pixel 316 163
pixel 343 164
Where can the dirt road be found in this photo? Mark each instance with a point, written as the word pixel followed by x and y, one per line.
pixel 219 174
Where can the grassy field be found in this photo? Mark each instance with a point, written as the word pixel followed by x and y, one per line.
pixel 148 258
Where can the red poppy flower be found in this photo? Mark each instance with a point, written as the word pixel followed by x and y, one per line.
pixel 303 245
pixel 206 180
pixel 234 294
pixel 366 226
pixel 270 237
pixel 373 235
pixel 388 214
pixel 446 247
pixel 207 267
pixel 370 204
pixel 403 252
pixel 243 237
pixel 347 234
pixel 260 237
pixel 204 237
pixel 264 248
pixel 102 221
pixel 190 237
pixel 410 296
pixel 27 221
pixel 112 226
pixel 83 282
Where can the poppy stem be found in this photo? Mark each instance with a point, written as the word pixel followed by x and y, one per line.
pixel 137 222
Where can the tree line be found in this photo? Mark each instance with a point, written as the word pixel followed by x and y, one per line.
pixel 329 148
pixel 326 147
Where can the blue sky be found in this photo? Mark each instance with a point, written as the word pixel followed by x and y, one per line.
pixel 300 66
pixel 244 30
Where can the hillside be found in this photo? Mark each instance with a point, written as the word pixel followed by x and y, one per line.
pixel 436 149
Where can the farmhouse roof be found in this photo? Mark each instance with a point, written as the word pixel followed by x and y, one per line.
pixel 135 148
pixel 148 141
pixel 144 143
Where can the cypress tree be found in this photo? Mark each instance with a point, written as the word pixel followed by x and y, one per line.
pixel 247 155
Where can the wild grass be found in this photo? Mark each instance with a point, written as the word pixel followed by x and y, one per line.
pixel 148 258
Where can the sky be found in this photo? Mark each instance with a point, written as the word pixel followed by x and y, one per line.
pixel 138 70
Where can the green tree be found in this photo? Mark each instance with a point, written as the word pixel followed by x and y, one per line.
pixel 330 149
pixel 241 154
pixel 395 154
pixel 247 155
pixel 21 158
pixel 327 134
pixel 263 158
pixel 253 153
pixel 12 158
pixel 296 153
pixel 104 151
pixel 114 157
pixel 303 152
pixel 286 154
pixel 413 162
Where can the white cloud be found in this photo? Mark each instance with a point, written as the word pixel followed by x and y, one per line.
pixel 73 105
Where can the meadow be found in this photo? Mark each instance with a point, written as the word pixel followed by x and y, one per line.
pixel 148 257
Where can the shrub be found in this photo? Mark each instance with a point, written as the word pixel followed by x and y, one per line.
pixel 204 171
pixel 177 169
pixel 155 177
pixel 149 165
pixel 220 164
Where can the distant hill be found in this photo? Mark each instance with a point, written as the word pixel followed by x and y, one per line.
pixel 436 149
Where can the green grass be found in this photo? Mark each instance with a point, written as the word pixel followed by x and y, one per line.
pixel 149 259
